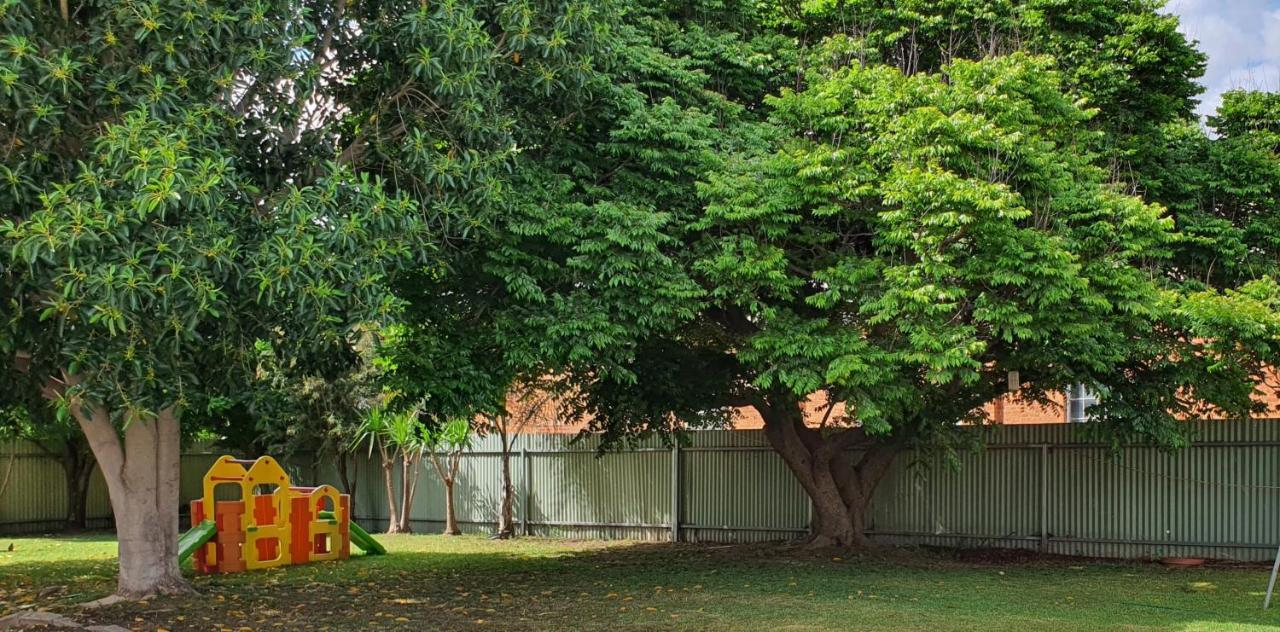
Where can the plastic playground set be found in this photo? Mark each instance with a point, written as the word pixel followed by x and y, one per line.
pixel 275 524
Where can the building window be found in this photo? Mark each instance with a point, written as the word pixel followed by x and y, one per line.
pixel 1079 399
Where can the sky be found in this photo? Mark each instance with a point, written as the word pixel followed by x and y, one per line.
pixel 1242 39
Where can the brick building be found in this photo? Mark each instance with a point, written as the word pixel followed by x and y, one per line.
pixel 1066 407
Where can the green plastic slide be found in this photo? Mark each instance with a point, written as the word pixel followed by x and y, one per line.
pixel 360 537
pixel 195 538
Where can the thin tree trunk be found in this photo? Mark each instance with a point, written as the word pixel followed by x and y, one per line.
pixel 450 515
pixel 344 476
pixel 79 471
pixel 348 478
pixel 415 472
pixel 142 474
pixel 76 461
pixel 448 476
pixel 404 494
pixel 82 497
pixel 407 474
pixel 393 523
pixel 840 491
pixel 506 518
pixel 8 471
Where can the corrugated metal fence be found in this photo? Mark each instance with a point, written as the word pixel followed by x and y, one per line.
pixel 35 499
pixel 1035 487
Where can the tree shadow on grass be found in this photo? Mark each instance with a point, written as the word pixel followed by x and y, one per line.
pixel 45 570
pixel 434 582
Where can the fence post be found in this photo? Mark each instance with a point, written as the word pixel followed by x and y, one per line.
pixel 1044 498
pixel 526 472
pixel 675 492
pixel 1271 585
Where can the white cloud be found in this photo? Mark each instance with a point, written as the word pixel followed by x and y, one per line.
pixel 1242 39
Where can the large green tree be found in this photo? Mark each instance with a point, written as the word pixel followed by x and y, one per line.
pixel 926 212
pixel 550 275
pixel 917 237
pixel 184 183
pixel 174 192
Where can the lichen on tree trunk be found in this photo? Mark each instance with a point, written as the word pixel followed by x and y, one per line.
pixel 839 488
pixel 142 475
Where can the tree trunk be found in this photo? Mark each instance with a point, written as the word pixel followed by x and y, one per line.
pixel 76 460
pixel 78 467
pixel 406 492
pixel 348 479
pixel 506 518
pixel 142 474
pixel 839 489
pixel 416 471
pixel 393 523
pixel 8 471
pixel 450 516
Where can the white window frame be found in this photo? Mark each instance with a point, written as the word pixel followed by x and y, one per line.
pixel 1080 398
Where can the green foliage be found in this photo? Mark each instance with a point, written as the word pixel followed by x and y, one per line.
pixel 188 179
pixel 446 355
pixel 917 235
pixel 293 412
pixel 453 435
pixel 576 257
pixel 181 180
pixel 391 432
pixel 149 272
pixel 1125 58
pixel 1223 191
pixel 671 208
pixel 927 209
pixel 444 96
pixel 20 422
pixel 403 433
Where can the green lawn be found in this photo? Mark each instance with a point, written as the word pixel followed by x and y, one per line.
pixel 434 582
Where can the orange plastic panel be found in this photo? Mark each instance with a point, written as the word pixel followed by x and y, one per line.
pixel 198 561
pixel 300 522
pixel 264 510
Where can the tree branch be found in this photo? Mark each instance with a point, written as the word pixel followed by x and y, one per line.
pixel 874 465
pixel 340 7
pixel 43 448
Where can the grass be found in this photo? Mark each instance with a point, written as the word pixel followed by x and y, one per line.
pixel 434 582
